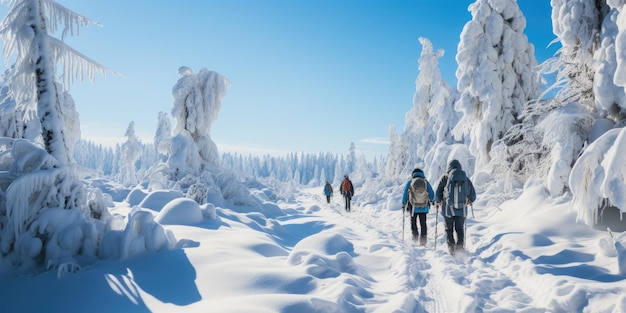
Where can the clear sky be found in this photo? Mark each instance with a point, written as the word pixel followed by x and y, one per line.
pixel 307 76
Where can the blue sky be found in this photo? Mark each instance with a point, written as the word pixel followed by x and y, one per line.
pixel 307 76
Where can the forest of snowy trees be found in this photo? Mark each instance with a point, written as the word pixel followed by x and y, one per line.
pixel 508 120
pixel 513 120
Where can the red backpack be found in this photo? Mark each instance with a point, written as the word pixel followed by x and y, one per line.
pixel 346 185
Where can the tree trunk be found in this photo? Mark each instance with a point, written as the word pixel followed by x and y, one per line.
pixel 48 102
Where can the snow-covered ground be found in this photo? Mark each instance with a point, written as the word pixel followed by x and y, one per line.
pixel 296 253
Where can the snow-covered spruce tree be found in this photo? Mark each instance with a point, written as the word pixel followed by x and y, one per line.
pixel 25 33
pixel 578 25
pixel 608 88
pixel 416 135
pixel 392 167
pixel 597 178
pixel 428 124
pixel 130 153
pixel 192 157
pixel 351 165
pixel 496 74
pixel 163 131
pixel 197 102
pixel 43 207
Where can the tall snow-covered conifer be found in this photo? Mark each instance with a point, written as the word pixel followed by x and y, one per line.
pixel 496 74
pixel 131 151
pixel 45 203
pixel 163 132
pixel 397 155
pixel 584 32
pixel 197 103
pixel 26 33
pixel 429 122
pixel 577 25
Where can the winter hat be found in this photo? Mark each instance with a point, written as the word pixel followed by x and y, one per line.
pixel 416 170
pixel 454 164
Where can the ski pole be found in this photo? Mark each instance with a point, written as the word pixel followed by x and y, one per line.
pixel 403 215
pixel 436 221
pixel 465 231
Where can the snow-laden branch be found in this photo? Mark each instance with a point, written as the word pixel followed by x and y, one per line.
pixel 75 64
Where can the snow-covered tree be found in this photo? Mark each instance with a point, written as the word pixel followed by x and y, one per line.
pixel 609 95
pixel 25 32
pixel 163 132
pixel 197 102
pixel 586 72
pixel 620 43
pixel 351 165
pixel 597 178
pixel 394 164
pixel 45 214
pixel 578 26
pixel 429 122
pixel 496 74
pixel 131 152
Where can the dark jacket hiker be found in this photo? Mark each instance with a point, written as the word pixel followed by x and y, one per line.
pixel 347 191
pixel 454 193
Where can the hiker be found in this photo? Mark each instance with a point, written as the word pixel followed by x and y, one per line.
pixel 328 191
pixel 418 194
pixel 347 191
pixel 455 192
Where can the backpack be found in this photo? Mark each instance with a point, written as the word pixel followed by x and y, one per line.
pixel 418 192
pixel 456 190
pixel 346 186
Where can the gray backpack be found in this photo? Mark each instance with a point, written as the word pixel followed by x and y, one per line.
pixel 456 190
pixel 418 192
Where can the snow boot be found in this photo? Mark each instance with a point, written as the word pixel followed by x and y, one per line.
pixel 423 241
pixel 451 249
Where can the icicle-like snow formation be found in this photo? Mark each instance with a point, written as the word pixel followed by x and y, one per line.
pixel 586 178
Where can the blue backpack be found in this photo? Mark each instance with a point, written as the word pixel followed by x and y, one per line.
pixel 457 189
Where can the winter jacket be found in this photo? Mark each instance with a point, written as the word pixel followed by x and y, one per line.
pixel 405 195
pixel 328 190
pixel 440 197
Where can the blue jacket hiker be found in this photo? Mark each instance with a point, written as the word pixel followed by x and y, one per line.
pixel 418 194
pixel 455 192
pixel 328 191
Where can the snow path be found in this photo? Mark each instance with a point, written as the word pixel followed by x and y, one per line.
pixel 432 281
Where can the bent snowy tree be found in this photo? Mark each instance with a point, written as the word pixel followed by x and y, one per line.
pixel 45 214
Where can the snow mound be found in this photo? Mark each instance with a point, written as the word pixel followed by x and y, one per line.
pixel 325 243
pixel 181 211
pixel 156 199
pixel 135 196
pixel 141 234
pixel 324 255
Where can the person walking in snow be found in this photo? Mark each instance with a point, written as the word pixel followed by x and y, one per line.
pixel 417 196
pixel 347 191
pixel 455 192
pixel 328 191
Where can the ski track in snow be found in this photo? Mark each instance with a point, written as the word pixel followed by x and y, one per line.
pixel 435 281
